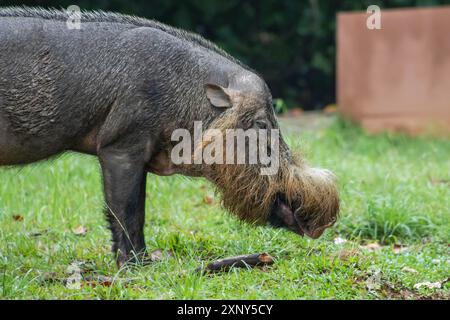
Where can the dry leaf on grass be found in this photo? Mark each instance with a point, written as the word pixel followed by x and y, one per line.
pixel 372 246
pixel 429 285
pixel 346 255
pixel 410 270
pixel 208 200
pixel 17 217
pixel 80 230
pixel 97 280
pixel 437 181
pixel 158 255
pixel 373 283
pixel 79 275
pixel 339 240
pixel 73 281
pixel 399 248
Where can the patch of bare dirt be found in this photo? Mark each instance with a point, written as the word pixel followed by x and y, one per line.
pixel 310 121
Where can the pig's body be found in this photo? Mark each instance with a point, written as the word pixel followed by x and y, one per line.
pixel 117 88
pixel 59 87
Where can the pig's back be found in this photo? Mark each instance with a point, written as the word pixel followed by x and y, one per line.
pixel 52 77
pixel 58 83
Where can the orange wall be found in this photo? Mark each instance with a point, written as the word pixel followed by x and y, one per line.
pixel 396 78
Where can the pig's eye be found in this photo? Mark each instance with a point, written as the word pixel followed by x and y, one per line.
pixel 260 124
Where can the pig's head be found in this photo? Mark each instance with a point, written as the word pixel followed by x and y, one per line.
pixel 297 197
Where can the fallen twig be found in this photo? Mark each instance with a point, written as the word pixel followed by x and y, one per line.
pixel 250 260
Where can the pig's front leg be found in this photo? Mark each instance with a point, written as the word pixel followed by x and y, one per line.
pixel 124 180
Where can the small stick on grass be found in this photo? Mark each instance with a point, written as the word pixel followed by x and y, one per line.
pixel 250 260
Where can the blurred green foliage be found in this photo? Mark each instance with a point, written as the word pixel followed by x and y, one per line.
pixel 290 42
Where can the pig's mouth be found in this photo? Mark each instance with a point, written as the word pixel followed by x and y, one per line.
pixel 287 216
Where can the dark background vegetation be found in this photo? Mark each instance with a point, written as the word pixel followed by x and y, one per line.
pixel 290 42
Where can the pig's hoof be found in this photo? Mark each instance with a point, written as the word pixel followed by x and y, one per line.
pixel 134 260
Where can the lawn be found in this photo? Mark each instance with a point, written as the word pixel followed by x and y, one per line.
pixel 393 233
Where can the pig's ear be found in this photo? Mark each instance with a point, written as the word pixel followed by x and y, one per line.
pixel 218 96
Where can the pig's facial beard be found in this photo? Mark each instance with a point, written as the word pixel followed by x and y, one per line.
pixel 299 198
pixel 244 191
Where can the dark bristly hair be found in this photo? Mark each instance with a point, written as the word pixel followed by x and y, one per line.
pixel 113 17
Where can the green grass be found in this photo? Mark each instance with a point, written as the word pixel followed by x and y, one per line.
pixel 395 190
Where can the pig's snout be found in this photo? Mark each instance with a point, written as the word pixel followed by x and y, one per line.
pixel 309 204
